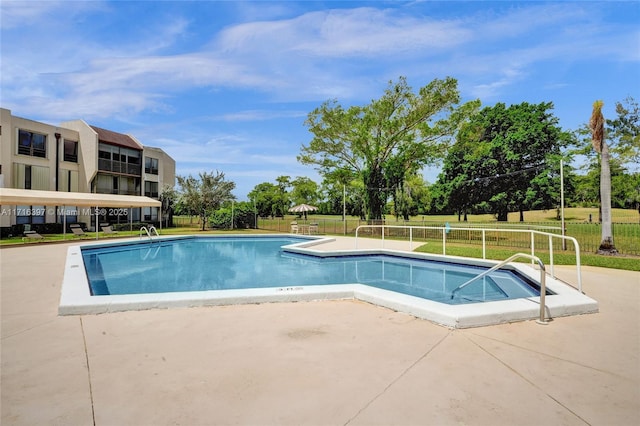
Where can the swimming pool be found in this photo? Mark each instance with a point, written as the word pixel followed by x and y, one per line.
pixel 201 264
pixel 196 271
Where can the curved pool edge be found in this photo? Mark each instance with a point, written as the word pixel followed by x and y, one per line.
pixel 76 298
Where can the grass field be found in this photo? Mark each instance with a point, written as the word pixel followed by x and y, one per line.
pixel 573 214
pixel 629 263
pixel 626 229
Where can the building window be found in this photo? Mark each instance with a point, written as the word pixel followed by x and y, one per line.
pixel 31 177
pixel 150 214
pixel 151 189
pixel 30 214
pixel 71 151
pixel 118 160
pixel 67 214
pixel 34 144
pixel 110 184
pixel 151 165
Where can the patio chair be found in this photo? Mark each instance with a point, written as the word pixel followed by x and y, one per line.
pixel 77 231
pixel 313 228
pixel 32 235
pixel 294 228
pixel 107 229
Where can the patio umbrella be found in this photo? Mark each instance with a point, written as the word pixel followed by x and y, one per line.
pixel 303 208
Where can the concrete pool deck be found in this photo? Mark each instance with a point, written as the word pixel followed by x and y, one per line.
pixel 317 363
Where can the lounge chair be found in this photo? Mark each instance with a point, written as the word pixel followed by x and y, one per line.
pixel 107 229
pixel 32 235
pixel 77 231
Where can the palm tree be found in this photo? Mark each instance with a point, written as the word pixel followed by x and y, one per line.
pixel 596 125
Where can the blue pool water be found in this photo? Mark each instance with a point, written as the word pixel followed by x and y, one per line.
pixel 197 264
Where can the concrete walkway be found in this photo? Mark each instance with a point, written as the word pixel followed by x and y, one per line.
pixel 315 363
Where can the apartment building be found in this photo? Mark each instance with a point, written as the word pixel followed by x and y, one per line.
pixel 78 157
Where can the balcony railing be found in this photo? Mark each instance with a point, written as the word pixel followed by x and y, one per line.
pixel 115 191
pixel 29 150
pixel 72 158
pixel 119 167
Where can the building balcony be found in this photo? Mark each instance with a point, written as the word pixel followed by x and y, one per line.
pixel 119 167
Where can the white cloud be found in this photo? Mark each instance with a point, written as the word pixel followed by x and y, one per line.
pixel 259 115
pixel 20 14
pixel 361 32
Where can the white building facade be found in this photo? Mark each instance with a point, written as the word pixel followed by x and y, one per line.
pixel 77 157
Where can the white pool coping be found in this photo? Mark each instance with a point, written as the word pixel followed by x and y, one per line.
pixel 76 298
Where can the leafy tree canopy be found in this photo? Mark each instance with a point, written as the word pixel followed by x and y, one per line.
pixel 274 199
pixel 506 157
pixel 304 191
pixel 205 194
pixel 624 131
pixel 383 142
pixel 267 199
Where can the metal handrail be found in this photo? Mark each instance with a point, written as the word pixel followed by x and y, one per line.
pixel 149 231
pixel 444 230
pixel 543 284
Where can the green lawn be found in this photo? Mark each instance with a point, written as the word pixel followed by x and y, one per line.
pixel 629 263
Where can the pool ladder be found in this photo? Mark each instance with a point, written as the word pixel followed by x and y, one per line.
pixel 151 230
pixel 543 276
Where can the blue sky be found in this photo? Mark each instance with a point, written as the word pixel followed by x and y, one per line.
pixel 227 85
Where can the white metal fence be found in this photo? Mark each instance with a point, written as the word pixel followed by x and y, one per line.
pixel 626 235
pixel 534 237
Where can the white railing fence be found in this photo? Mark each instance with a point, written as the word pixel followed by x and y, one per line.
pixel 444 230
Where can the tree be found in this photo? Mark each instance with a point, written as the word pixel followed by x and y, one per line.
pixel 623 145
pixel 633 193
pixel 596 125
pixel 624 131
pixel 188 197
pixel 234 216
pixel 272 199
pixel 454 191
pixel 204 195
pixel 411 198
pixel 343 194
pixel 304 191
pixel 266 198
pixel 383 142
pixel 506 158
pixel 168 197
pixel 283 200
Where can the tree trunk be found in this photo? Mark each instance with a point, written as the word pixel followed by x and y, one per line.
pixel 376 193
pixel 521 215
pixel 503 215
pixel 606 246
